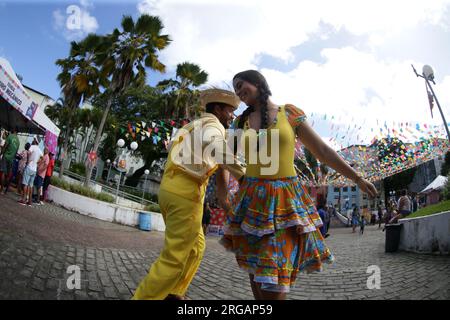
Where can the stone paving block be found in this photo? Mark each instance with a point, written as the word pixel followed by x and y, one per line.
pixel 38 284
pixel 34 267
pixel 110 293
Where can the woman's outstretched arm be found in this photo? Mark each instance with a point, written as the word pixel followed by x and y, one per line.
pixel 325 154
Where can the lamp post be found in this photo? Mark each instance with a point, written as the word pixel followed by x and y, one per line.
pixel 146 173
pixel 428 75
pixel 392 194
pixel 121 144
pixel 108 163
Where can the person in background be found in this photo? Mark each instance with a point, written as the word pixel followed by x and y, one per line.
pixel 380 215
pixel 327 220
pixel 48 174
pixel 414 203
pixel 8 152
pixel 29 173
pixel 24 156
pixel 355 218
pixel 404 204
pixel 206 217
pixel 40 176
pixel 362 223
pixel 321 209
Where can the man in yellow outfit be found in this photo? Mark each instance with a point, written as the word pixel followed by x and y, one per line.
pixel 195 153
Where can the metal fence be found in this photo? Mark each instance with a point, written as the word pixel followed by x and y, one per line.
pixel 112 189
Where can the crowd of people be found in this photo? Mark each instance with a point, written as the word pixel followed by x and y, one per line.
pixel 30 170
pixel 389 214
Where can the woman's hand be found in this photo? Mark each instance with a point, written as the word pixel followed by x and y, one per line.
pixel 367 187
pixel 224 203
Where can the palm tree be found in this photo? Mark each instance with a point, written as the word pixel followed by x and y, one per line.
pixel 79 80
pixel 59 114
pixel 131 50
pixel 182 99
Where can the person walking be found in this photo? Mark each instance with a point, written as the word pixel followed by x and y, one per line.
pixel 355 218
pixel 380 215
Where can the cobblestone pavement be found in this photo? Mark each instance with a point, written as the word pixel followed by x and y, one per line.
pixel 39 243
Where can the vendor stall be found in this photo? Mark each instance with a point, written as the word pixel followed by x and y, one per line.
pixel 17 109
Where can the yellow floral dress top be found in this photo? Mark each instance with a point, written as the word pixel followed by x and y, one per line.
pixel 261 228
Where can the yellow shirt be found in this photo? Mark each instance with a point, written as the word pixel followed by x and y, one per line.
pixel 189 179
pixel 278 146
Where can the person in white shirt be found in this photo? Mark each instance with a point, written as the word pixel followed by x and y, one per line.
pixel 29 173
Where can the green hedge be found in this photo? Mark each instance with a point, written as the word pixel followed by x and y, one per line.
pixel 435 208
pixel 78 168
pixel 153 208
pixel 82 190
pixel 134 192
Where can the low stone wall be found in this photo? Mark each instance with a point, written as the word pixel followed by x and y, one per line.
pixel 102 210
pixel 429 234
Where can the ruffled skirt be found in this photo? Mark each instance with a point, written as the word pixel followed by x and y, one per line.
pixel 262 231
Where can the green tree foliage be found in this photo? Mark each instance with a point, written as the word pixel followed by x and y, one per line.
pixel 181 95
pixel 130 51
pixel 79 79
pixel 446 166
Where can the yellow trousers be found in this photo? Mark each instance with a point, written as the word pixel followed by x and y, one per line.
pixel 184 246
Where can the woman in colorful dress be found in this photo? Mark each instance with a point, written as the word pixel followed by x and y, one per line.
pixel 272 225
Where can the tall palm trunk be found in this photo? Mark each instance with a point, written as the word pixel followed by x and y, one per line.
pixel 98 137
pixel 64 163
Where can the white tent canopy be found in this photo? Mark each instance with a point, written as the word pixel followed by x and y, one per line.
pixel 17 108
pixel 437 184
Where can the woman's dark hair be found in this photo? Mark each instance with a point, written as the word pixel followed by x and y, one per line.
pixel 258 80
pixel 27 146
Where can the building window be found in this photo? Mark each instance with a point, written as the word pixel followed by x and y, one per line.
pixel 336 197
pixel 353 188
pixel 336 189
pixel 345 189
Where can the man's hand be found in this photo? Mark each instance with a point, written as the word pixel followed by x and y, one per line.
pixel 224 203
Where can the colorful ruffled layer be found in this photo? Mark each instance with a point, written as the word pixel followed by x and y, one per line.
pixel 261 231
pixel 263 206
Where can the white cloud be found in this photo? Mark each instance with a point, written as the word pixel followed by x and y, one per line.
pixel 225 37
pixel 355 84
pixel 86 3
pixel 75 22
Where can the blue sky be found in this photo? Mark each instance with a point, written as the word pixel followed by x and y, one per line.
pixel 347 60
pixel 31 43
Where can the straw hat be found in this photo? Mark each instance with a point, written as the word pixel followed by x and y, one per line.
pixel 219 95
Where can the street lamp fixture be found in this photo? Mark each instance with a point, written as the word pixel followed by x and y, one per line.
pixel 428 75
pixel 134 145
pixel 108 163
pixel 146 172
pixel 120 143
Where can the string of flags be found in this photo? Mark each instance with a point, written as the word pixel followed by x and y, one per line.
pixel 422 142
pixel 370 149
pixel 158 131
